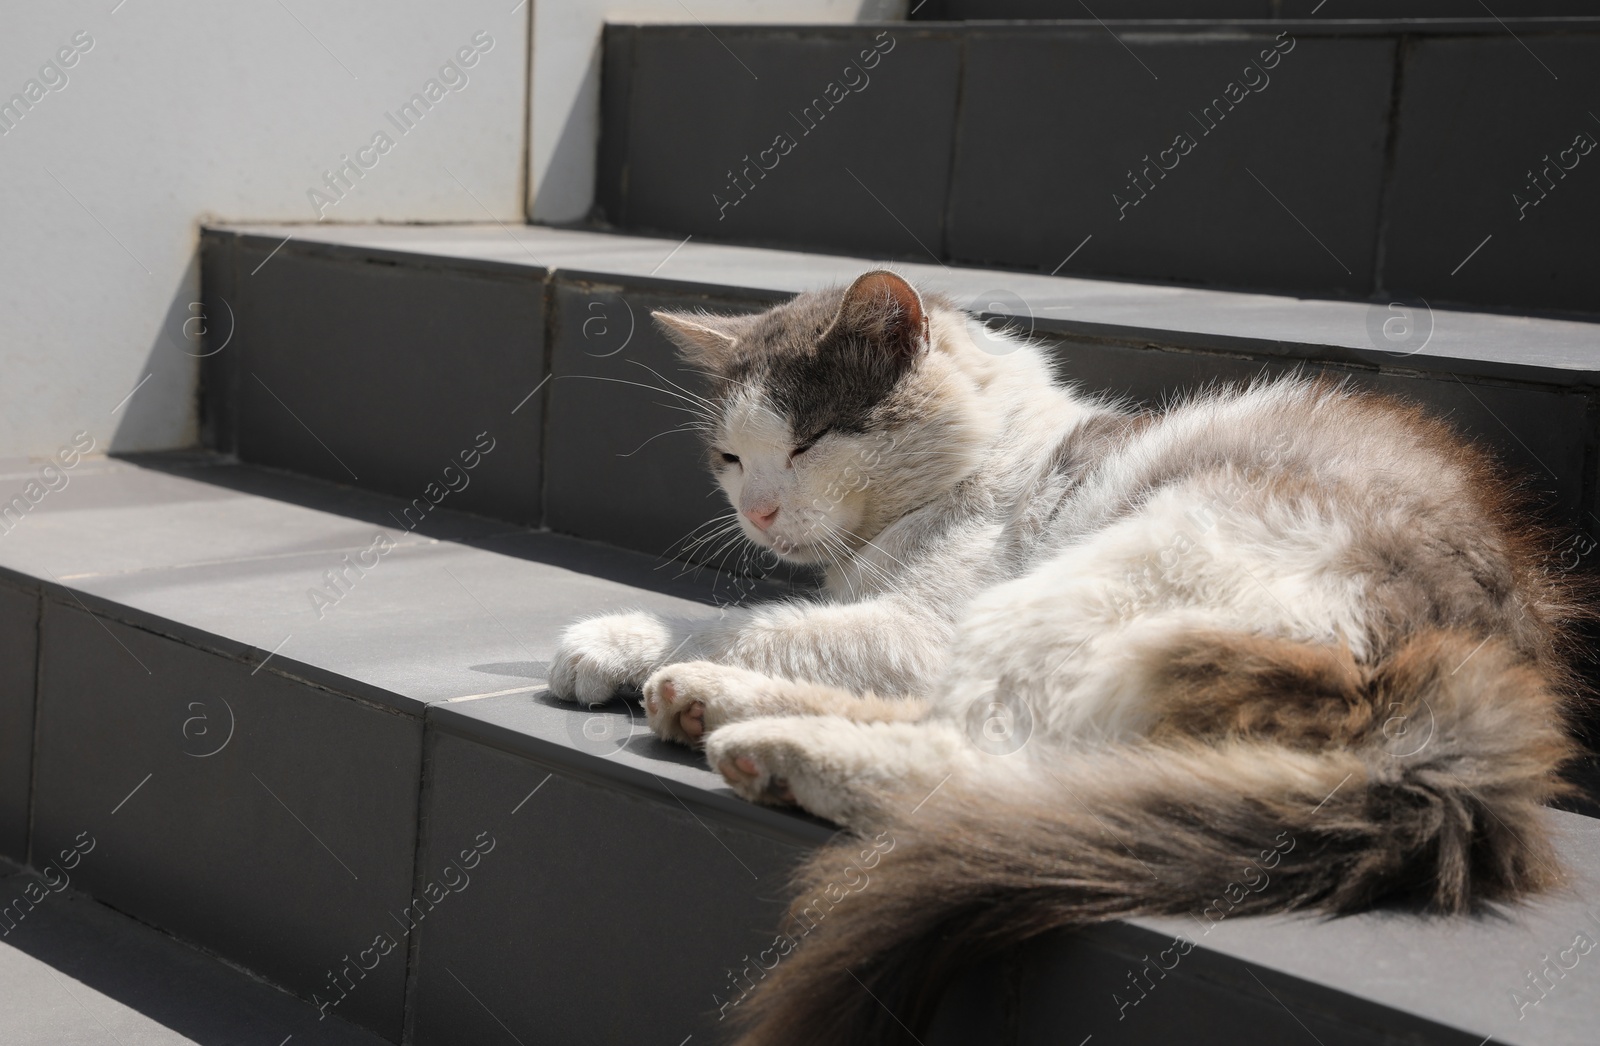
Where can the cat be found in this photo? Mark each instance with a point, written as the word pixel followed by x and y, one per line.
pixel 1073 661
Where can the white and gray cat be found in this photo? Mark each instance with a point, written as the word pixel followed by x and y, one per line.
pixel 1079 662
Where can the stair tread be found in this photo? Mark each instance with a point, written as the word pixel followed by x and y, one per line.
pixel 1458 972
pixel 1532 348
pixel 73 971
pixel 189 547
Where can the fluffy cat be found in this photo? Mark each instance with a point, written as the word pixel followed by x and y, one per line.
pixel 1073 662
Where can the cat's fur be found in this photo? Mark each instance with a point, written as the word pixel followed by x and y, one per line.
pixel 1080 662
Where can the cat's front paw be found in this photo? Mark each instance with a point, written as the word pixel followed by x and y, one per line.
pixel 758 759
pixel 598 657
pixel 684 702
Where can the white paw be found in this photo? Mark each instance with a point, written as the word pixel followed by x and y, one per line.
pixel 683 702
pixel 761 759
pixel 596 658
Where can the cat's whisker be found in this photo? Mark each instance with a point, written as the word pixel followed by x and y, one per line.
pixel 707 403
pixel 704 420
pixel 694 538
pixel 848 563
pixel 853 558
pixel 881 551
pixel 725 549
pixel 702 410
pixel 692 568
pixel 696 553
pixel 881 579
pixel 669 432
pixel 675 390
pixel 702 559
pixel 721 518
pixel 874 578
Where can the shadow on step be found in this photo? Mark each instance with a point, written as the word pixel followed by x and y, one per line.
pixel 671 577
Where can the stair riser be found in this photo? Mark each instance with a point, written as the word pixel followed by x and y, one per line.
pixel 390 377
pixel 271 822
pixel 19 634
pixel 599 917
pixel 1352 161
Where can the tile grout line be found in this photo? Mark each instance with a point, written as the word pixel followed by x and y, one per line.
pixel 34 761
pixel 419 842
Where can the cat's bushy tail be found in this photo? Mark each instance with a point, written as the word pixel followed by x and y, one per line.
pixel 1422 777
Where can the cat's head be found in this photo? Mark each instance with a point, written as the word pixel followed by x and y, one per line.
pixel 836 413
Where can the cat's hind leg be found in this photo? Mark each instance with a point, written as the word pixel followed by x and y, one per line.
pixel 684 702
pixel 856 774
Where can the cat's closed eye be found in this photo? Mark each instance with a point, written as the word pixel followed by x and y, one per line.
pixel 731 459
pixel 807 445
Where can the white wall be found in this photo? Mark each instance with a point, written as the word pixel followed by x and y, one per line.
pixel 184 109
pixel 187 110
pixel 564 118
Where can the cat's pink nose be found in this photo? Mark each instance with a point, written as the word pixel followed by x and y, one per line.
pixel 762 516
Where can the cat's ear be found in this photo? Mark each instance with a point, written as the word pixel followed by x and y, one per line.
pixel 884 309
pixel 701 338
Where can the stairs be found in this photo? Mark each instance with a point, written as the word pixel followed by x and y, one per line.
pixel 208 628
pixel 292 684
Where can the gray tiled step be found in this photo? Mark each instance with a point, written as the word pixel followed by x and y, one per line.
pixel 75 973
pixel 254 771
pixel 1378 156
pixel 655 879
pixel 1382 977
pixel 1524 385
pixel 1461 973
pixel 537 871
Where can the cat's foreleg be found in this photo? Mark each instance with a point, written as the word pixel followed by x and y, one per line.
pixel 880 645
pixel 855 774
pixel 885 645
pixel 685 701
